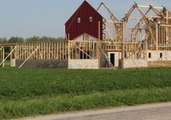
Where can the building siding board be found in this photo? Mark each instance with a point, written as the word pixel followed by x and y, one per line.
pixel 74 29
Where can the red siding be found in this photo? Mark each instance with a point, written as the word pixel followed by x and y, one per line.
pixel 74 29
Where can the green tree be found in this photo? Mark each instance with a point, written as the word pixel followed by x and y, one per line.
pixel 3 40
pixel 43 39
pixel 16 40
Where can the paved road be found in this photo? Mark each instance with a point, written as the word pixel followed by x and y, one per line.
pixel 144 112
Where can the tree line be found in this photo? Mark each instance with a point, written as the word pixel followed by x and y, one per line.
pixel 30 40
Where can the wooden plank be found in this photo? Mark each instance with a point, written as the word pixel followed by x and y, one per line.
pixel 29 57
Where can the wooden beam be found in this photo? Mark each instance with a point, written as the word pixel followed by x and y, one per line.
pixel 84 52
pixel 7 44
pixel 3 53
pixel 148 6
pixel 29 57
pixel 164 25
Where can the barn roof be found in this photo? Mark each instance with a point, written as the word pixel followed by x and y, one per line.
pixel 85 3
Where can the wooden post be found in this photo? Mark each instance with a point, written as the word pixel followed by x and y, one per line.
pixel 3 54
pixel 122 50
pixel 167 30
pixel 157 35
pixel 11 54
pixel 98 44
pixel 60 50
pixel 69 55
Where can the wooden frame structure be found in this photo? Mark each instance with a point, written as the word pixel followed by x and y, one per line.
pixel 152 30
pixel 156 27
pixel 113 28
pixel 82 50
pixel 42 51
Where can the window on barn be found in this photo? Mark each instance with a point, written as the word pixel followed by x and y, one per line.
pixel 149 55
pixel 161 55
pixel 78 20
pixel 90 19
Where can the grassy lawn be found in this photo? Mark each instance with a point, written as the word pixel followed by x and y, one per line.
pixel 27 92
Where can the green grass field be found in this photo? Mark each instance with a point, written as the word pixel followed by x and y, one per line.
pixel 29 92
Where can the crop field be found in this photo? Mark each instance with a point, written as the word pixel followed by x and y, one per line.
pixel 29 92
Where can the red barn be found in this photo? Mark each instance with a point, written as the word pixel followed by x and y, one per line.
pixel 85 20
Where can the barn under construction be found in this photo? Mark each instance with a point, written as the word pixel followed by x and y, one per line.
pixel 142 38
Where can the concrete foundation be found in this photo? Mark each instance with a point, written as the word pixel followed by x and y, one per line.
pixel 83 64
pixel 158 55
pixel 159 64
pixel 43 63
pixel 154 59
pixel 129 63
pixel 13 63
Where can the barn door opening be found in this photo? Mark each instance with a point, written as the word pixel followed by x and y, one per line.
pixel 112 58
